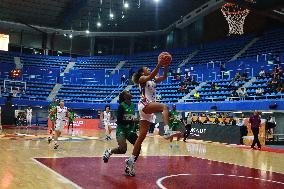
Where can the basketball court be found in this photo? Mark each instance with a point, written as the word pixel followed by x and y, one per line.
pixel 28 161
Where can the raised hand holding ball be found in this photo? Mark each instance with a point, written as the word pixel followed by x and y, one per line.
pixel 165 59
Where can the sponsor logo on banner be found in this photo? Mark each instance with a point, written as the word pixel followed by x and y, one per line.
pixel 76 123
pixel 197 131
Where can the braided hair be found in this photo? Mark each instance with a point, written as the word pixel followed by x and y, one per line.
pixel 136 76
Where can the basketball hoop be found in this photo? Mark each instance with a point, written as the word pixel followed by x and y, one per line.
pixel 235 16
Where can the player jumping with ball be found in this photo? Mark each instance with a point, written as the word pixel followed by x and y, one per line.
pixel 147 105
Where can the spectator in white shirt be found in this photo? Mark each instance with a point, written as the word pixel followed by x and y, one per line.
pixel 243 93
pixel 262 73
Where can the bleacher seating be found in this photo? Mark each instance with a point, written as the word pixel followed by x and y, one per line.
pixel 34 90
pixel 270 42
pixel 98 62
pixel 90 79
pixel 166 92
pixel 222 91
pixel 221 51
pixel 262 83
pixel 35 60
pixel 149 59
pixel 97 93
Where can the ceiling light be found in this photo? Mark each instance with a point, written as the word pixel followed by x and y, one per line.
pixel 70 36
pixel 156 1
pixel 65 35
pixel 111 15
pixel 99 24
pixel 122 16
pixel 87 31
pixel 126 5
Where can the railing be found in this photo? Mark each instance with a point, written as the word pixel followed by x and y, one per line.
pixel 121 86
pixel 238 98
pixel 258 97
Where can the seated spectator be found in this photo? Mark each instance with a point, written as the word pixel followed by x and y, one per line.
pixel 280 72
pixel 280 87
pixel 212 86
pixel 186 78
pixel 177 77
pixel 193 82
pixel 258 92
pixel 183 88
pixel 234 94
pixel 244 76
pixel 196 95
pixel 262 73
pixel 274 72
pixel 242 93
pixel 273 84
pixel 237 76
pixel 123 79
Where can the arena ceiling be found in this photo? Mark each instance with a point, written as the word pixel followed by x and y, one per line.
pixel 141 15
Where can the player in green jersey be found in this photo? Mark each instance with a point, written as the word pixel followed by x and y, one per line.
pixel 71 118
pixel 125 129
pixel 175 124
pixel 52 117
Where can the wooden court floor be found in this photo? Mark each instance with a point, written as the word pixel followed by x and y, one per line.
pixel 27 161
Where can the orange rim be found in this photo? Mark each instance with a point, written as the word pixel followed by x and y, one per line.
pixel 228 5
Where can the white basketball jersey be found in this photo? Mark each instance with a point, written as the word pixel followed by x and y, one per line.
pixel 29 112
pixel 107 116
pixel 148 90
pixel 61 113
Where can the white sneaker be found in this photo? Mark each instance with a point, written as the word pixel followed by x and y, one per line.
pixel 49 140
pixel 169 133
pixel 129 169
pixel 107 155
pixel 56 146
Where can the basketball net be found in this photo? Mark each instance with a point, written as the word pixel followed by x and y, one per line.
pixel 235 17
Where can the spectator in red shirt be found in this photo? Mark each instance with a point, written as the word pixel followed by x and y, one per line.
pixel 255 121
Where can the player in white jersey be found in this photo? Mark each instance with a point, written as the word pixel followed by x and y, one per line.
pixel 61 113
pixel 106 120
pixel 147 106
pixel 29 116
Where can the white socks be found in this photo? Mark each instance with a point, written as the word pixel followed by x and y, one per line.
pixel 166 128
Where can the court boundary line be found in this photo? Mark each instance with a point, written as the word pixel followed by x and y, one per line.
pixel 161 186
pixel 57 174
pixel 177 155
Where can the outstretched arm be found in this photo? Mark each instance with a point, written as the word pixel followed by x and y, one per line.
pixel 144 79
pixel 164 77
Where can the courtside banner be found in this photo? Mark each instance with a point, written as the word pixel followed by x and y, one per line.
pixel 216 133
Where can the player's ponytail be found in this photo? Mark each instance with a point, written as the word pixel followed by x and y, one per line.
pixel 136 76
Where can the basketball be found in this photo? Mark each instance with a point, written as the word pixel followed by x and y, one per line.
pixel 165 58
